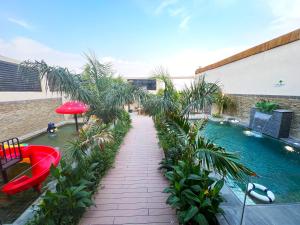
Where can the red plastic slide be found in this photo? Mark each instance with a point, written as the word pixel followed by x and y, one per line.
pixel 41 158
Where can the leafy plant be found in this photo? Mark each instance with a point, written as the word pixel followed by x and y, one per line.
pixel 223 102
pixel 194 194
pixel 71 197
pixel 266 106
pixel 90 136
pixel 194 146
pixel 167 99
pixel 191 163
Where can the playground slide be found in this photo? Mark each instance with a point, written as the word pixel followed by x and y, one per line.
pixel 41 158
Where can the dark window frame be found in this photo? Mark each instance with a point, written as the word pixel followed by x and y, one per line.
pixel 16 79
pixel 149 84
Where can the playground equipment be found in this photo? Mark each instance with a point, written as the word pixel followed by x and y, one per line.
pixel 10 154
pixel 51 128
pixel 40 157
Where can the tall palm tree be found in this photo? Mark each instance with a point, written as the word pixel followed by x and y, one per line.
pixel 95 86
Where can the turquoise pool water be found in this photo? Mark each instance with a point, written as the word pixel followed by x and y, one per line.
pixel 12 207
pixel 277 165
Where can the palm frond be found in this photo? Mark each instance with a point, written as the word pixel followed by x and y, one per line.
pixel 59 79
pixel 216 158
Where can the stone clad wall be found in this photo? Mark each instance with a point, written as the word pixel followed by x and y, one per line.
pixel 18 118
pixel 245 102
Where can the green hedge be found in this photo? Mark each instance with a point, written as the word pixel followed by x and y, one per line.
pixel 75 185
pixel 193 192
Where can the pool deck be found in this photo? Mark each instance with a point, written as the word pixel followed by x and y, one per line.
pixel 131 192
pixel 266 214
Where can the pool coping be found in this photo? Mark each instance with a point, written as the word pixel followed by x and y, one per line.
pixel 31 209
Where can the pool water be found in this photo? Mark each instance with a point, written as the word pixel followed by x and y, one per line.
pixel 59 139
pixel 12 207
pixel 276 164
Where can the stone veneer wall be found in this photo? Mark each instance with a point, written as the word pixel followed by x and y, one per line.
pixel 18 118
pixel 245 102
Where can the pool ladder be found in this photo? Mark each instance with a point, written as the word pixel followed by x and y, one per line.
pixel 10 154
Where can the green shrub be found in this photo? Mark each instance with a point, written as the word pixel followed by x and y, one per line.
pixel 223 102
pixel 189 162
pixel 71 197
pixel 169 143
pixel 266 106
pixel 194 194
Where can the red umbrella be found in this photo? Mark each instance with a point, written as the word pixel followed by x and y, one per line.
pixel 73 107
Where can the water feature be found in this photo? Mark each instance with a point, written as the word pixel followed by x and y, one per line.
pixel 260 121
pixel 277 124
pixel 12 207
pixel 277 164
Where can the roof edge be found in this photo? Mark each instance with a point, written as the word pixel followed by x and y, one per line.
pixel 266 46
pixel 9 60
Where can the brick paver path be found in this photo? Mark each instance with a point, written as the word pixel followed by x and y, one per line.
pixel 131 192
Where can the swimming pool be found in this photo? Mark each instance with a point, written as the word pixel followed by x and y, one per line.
pixel 276 164
pixel 11 208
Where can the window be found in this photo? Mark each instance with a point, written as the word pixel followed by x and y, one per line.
pixel 144 83
pixel 20 80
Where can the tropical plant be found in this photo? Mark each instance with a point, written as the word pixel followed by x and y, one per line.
pixel 193 193
pixel 198 96
pixel 95 86
pixel 196 169
pixel 195 147
pixel 167 101
pixel 169 143
pixel 92 135
pixel 266 106
pixel 223 102
pixel 71 197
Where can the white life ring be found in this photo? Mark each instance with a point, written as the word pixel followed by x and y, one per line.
pixel 268 198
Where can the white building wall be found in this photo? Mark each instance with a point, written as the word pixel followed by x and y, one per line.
pixel 259 74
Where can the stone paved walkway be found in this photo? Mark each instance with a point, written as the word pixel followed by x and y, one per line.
pixel 131 193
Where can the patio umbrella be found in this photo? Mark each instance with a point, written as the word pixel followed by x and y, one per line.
pixel 73 107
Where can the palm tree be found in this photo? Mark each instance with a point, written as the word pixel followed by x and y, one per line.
pixel 198 96
pixel 195 146
pixel 167 101
pixel 95 86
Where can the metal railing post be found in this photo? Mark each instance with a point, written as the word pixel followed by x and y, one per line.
pixel 244 203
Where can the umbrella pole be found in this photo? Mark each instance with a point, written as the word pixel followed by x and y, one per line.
pixel 76 121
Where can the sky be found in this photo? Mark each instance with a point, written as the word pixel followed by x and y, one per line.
pixel 136 36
